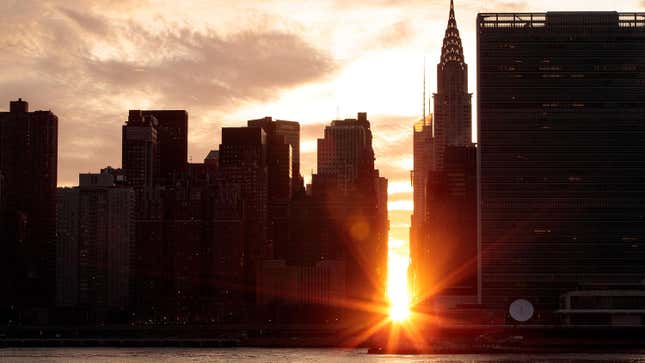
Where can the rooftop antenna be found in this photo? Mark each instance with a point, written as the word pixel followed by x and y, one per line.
pixel 424 90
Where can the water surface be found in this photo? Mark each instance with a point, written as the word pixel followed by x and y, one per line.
pixel 258 355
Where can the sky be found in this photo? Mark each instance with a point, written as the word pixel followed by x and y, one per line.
pixel 90 61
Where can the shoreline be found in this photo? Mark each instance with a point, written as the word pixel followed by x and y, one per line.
pixel 432 340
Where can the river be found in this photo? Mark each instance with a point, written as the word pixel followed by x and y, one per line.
pixel 199 355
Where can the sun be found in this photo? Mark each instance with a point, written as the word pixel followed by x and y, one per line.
pixel 399 313
pixel 397 286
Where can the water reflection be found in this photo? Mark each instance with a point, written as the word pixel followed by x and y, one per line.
pixel 257 355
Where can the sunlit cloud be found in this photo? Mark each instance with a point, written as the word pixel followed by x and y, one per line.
pixel 90 69
pixel 403 162
pixel 308 146
pixel 396 187
pixel 400 205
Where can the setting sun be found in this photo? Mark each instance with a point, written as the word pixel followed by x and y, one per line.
pixel 397 285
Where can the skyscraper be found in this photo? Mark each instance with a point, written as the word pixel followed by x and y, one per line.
pixel 188 235
pixel 28 165
pixel 67 249
pixel 283 137
pixel 351 196
pixel 561 154
pixel 140 149
pixel 290 131
pixel 435 259
pixel 243 163
pixel 95 247
pixel 450 271
pixel 345 154
pixel 152 258
pixel 172 135
pixel 452 102
pixel 423 153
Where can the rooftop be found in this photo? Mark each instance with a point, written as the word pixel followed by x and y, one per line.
pixel 559 19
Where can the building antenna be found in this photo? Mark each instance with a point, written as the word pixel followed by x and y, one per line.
pixel 424 90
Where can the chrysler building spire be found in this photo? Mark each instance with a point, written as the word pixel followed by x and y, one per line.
pixel 452 50
pixel 452 102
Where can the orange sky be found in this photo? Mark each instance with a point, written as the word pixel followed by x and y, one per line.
pixel 225 62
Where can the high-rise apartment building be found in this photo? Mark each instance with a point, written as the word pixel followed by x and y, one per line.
pixel 67 248
pixel 95 247
pixel 28 165
pixel 561 111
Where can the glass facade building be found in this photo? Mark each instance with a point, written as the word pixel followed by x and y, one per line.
pixel 561 154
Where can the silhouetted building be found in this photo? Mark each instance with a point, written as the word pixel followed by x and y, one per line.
pixel 452 102
pixel 188 235
pixel 227 266
pixel 28 164
pixel 156 150
pixel 290 131
pixel 562 144
pixel 308 241
pixel 152 256
pixel 617 305
pixel 172 135
pixel 243 163
pixel 450 271
pixel 140 149
pixel 152 272
pixel 212 159
pixel 3 192
pixel 350 195
pixel 423 157
pixel 67 248
pixel 381 201
pixel 117 173
pixel 302 293
pixel 95 248
pixel 281 154
pixel 437 249
pixel 345 154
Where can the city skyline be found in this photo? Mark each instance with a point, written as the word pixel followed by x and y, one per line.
pixel 329 76
pixel 323 174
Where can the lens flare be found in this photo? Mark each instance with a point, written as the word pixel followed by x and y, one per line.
pixel 397 286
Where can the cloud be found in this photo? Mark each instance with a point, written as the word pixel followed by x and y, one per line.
pixel 399 187
pixel 400 205
pixel 211 70
pixel 87 22
pixel 507 6
pixel 90 69
pixel 394 35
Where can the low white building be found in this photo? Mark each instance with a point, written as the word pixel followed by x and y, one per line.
pixel 616 307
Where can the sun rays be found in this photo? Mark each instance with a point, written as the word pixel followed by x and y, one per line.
pixel 397 286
